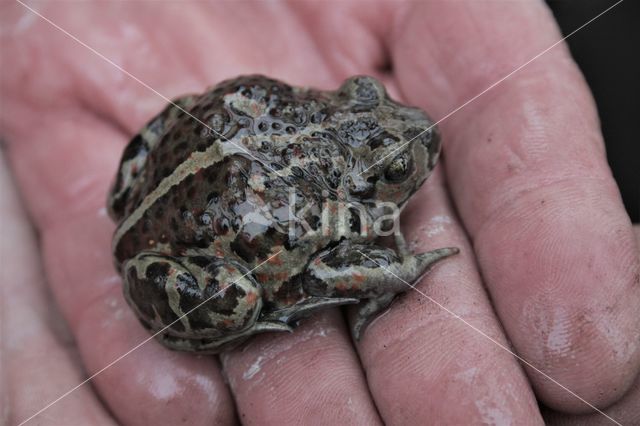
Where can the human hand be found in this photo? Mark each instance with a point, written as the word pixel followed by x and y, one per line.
pixel 531 188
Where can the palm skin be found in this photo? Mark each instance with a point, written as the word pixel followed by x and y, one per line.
pixel 523 190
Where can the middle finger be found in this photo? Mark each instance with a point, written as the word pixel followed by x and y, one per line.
pixel 286 379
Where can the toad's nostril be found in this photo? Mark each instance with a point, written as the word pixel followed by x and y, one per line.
pixel 363 191
pixel 360 187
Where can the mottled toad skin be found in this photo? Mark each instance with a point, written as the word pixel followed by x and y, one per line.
pixel 244 218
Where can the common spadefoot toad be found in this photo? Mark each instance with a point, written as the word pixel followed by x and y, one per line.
pixel 254 204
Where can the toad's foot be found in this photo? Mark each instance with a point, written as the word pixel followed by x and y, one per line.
pixel 374 273
pixel 307 307
pixel 214 346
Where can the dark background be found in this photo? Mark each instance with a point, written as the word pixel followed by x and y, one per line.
pixel 607 51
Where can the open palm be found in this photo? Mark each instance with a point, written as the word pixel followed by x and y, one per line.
pixel 524 190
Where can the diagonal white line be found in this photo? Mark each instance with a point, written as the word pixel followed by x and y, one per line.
pixel 492 86
pixel 491 339
pixel 175 105
pixel 88 379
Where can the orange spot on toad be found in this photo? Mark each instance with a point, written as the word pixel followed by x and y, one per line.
pixel 252 297
pixel 358 277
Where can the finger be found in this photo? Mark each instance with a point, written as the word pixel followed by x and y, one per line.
pixel 626 411
pixel 287 379
pixel 438 346
pixel 528 175
pixel 38 358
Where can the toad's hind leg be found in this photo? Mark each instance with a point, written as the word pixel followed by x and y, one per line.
pixel 376 274
pixel 195 303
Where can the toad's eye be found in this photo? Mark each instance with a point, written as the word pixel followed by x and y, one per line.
pixel 398 169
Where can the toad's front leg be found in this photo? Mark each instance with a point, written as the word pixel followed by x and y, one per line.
pixel 374 273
